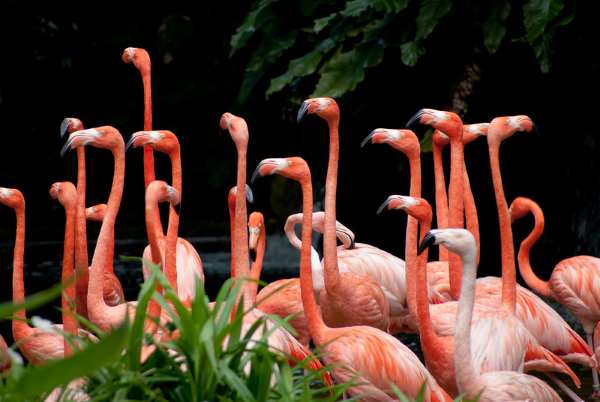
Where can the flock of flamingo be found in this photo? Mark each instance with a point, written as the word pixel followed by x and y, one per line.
pixel 478 335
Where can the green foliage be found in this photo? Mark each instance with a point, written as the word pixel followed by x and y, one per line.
pixel 340 44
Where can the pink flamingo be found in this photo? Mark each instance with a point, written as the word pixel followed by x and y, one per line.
pixel 113 291
pixel 496 386
pixel 348 299
pixel 277 338
pixel 189 264
pixel 257 241
pixel 573 280
pixel 375 359
pixel 103 315
pixel 41 344
pixel 491 326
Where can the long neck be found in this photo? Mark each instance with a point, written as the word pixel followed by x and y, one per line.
pixel 412 226
pixel 455 215
pixel 509 280
pixel 68 294
pixel 290 231
pixel 171 250
pixel 258 261
pixel 471 211
pixel 466 377
pixel 429 338
pixel 148 152
pixel 153 236
pixel 233 260
pixel 103 254
pixel 532 280
pixel 329 237
pixel 81 251
pixel 316 325
pixel 19 327
pixel 240 230
pixel 441 198
pixel 177 184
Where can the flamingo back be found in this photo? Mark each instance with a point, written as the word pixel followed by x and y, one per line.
pixel 505 386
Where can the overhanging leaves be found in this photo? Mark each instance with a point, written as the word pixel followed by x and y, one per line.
pixel 537 14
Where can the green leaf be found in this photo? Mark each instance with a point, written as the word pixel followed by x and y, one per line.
pixel 354 8
pixel 323 22
pixel 31 302
pixel 253 22
pixel 411 51
pixel 300 67
pixel 390 6
pixel 430 12
pixel 543 52
pixel 537 14
pixel 345 70
pixel 41 379
pixel 494 27
pixel 425 143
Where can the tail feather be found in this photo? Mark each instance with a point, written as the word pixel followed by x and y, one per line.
pixel 538 358
pixel 314 364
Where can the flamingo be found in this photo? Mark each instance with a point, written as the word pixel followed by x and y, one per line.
pixel 278 338
pixel 95 213
pixel 348 299
pixel 189 264
pixel 491 326
pixel 113 291
pixel 104 316
pixel 496 386
pixel 572 282
pixel 45 342
pixel 373 358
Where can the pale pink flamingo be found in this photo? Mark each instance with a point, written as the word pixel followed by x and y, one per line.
pixel 373 358
pixel 104 316
pixel 491 326
pixel 573 282
pixel 348 299
pixel 113 291
pixel 496 386
pixel 277 338
pixel 189 264
pixel 39 345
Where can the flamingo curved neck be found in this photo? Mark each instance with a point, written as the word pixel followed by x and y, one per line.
pixel 329 237
pixel 257 264
pixel 153 236
pixel 315 321
pixel 81 247
pixel 509 280
pixel 20 328
pixel 68 295
pixel 173 226
pixel 532 280
pixel 456 210
pixel 149 175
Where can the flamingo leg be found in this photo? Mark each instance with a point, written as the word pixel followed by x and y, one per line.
pixel 568 391
pixel 595 384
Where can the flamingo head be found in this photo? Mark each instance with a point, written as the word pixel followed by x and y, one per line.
pixel 404 141
pixel 70 124
pixel 326 108
pixel 473 131
pixel 106 137
pixel 256 222
pixel 439 139
pixel 165 193
pixel 64 192
pixel 448 122
pixel 138 56
pixel 160 140
pixel 294 168
pixel 458 241
pixel 237 127
pixel 416 207
pixel 502 128
pixel 95 213
pixel 233 192
pixel 520 207
pixel 12 198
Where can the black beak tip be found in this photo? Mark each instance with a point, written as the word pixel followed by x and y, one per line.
pixel 255 175
pixel 411 122
pixel 382 207
pixel 428 240
pixel 64 127
pixel 302 112
pixel 366 140
pixel 65 148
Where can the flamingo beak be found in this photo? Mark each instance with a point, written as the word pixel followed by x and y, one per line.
pixel 64 127
pixel 133 141
pixel 249 194
pixel 385 204
pixel 416 118
pixel 66 147
pixel 303 111
pixel 347 235
pixel 256 174
pixel 253 237
pixel 428 240
pixel 367 139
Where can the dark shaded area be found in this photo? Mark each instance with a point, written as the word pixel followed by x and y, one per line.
pixel 58 65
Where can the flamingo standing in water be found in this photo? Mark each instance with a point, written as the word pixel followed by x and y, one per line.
pixel 373 358
pixel 574 280
pixel 113 291
pixel 491 326
pixel 496 386
pixel 348 298
pixel 189 264
pixel 39 345
pixel 101 314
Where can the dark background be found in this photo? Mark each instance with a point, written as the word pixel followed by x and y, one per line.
pixel 57 64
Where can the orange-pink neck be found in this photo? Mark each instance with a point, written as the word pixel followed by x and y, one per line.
pixel 256 268
pixel 81 250
pixel 441 198
pixel 331 274
pixel 20 328
pixel 240 230
pixel 68 294
pixel 412 226
pixel 456 211
pixel 472 220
